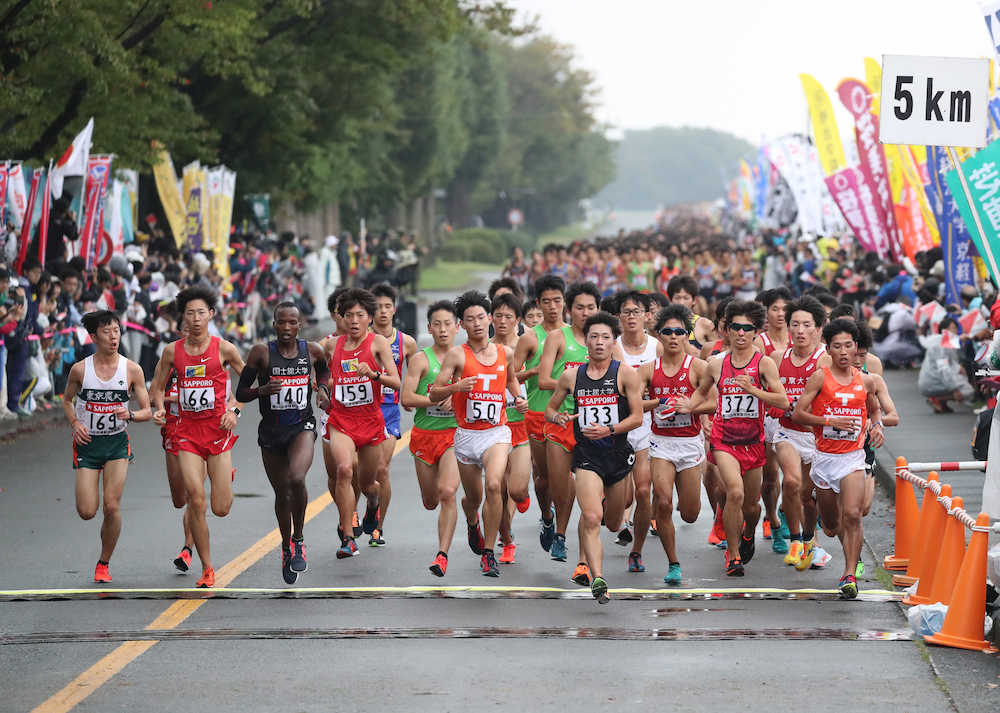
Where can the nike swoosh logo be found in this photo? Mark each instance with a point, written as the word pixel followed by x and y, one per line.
pixel 204 359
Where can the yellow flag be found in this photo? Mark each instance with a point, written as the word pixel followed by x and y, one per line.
pixel 873 78
pixel 166 187
pixel 831 152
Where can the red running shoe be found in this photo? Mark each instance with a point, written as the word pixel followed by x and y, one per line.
pixel 207 579
pixel 183 561
pixel 440 565
pixel 102 573
pixel 522 506
pixel 507 553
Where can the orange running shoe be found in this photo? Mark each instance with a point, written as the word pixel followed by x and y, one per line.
pixel 356 524
pixel 766 527
pixel 440 565
pixel 102 573
pixel 522 506
pixel 507 554
pixel 717 536
pixel 652 527
pixel 207 579
pixel 581 575
pixel 183 561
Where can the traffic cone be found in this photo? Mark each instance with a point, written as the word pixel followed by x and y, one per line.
pixel 950 559
pixel 907 517
pixel 918 545
pixel 963 624
pixel 932 551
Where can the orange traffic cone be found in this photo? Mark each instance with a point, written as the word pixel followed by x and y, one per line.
pixel 932 552
pixel 918 545
pixel 907 517
pixel 950 559
pixel 963 624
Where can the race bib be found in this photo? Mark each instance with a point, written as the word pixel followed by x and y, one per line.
pixel 510 399
pixel 351 395
pixel 598 415
pixel 678 420
pixel 197 399
pixel 438 412
pixel 833 434
pixel 388 392
pixel 483 411
pixel 101 420
pixel 294 394
pixel 740 406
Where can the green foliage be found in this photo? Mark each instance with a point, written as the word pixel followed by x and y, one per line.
pixel 669 165
pixel 485 245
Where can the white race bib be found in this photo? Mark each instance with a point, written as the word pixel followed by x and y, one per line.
pixel 678 420
pixel 438 412
pixel 294 395
pixel 832 434
pixel 351 395
pixel 483 411
pixel 101 421
pixel 603 415
pixel 199 398
pixel 740 406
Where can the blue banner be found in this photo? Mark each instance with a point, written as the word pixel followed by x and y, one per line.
pixel 955 239
pixel 761 172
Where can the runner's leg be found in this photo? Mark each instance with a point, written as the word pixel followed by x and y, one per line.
pixel 852 496
pixel 771 488
pixel 220 474
pixel 561 484
pixel 752 481
pixel 643 479
pixel 540 474
pixel 663 472
pixel 88 496
pixel 791 485
pixel 114 483
pixel 590 491
pixel 371 472
pixel 339 451
pixel 385 487
pixel 494 468
pixel 276 466
pixel 732 513
pixel 300 458
pixel 438 487
pixel 193 470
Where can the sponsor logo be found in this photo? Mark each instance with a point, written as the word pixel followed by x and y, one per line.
pixel 204 359
pixel 191 372
pixel 347 365
pixel 304 360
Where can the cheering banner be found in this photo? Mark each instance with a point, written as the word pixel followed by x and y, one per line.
pixel 43 223
pixel 170 196
pixel 95 194
pixel 983 178
pixel 856 97
pixel 29 213
pixel 958 268
pixel 828 146
pixel 196 222
pixel 857 204
pixel 17 196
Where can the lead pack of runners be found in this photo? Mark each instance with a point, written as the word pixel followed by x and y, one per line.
pixel 627 405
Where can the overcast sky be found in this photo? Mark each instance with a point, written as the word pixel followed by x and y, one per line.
pixel 735 65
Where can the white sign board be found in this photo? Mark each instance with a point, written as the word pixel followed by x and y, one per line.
pixel 934 101
pixel 515 217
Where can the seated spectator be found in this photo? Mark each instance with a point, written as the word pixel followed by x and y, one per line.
pixel 942 377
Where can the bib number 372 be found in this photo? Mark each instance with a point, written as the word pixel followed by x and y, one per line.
pixel 740 406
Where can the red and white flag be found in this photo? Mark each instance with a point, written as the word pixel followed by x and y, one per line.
pixel 73 162
pixel 931 311
pixel 949 340
pixel 973 322
pixel 43 222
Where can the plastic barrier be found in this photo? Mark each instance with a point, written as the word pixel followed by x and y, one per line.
pixel 947 466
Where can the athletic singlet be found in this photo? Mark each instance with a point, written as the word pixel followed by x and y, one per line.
pixel 769 347
pixel 794 379
pixel 432 418
pixel 836 399
pixel 483 407
pixel 739 415
pixel 172 407
pixel 599 402
pixel 590 273
pixel 293 404
pixel 354 395
pixel 98 400
pixel 389 395
pixel 663 387
pixel 694 323
pixel 202 382
pixel 513 415
pixel 574 354
pixel 636 360
pixel 537 399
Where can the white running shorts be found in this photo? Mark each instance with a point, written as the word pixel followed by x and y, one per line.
pixel 771 427
pixel 828 469
pixel 471 444
pixel 684 451
pixel 803 441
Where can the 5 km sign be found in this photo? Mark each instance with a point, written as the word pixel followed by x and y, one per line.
pixel 934 101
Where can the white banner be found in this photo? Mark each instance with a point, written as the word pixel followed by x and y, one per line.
pixel 17 194
pixel 793 158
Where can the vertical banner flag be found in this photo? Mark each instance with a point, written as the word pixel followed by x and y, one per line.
pixel 114 223
pixel 761 174
pixel 170 196
pixel 873 78
pixel 29 213
pixel 983 177
pixel 225 218
pixel 73 162
pixel 824 123
pixel 130 178
pixel 194 206
pixel 856 97
pixel 17 196
pixel 856 202
pixel 797 161
pixel 991 14
pixel 89 223
pixel 98 171
pixel 3 192
pixel 43 223
pixel 958 268
pixel 213 184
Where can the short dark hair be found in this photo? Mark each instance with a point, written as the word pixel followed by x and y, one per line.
pixel 546 283
pixel 945 323
pixel 865 338
pixel 92 321
pixel 384 289
pixel 843 310
pixel 530 305
pixel 355 296
pixel 582 288
pixel 331 301
pixel 633 296
pixel 287 304
pixel 769 297
pixel 806 304
pixel 658 298
pixel 197 292
pixel 602 318
pixel 508 282
pixel 720 310
pixel 507 300
pixel 609 304
pixel 446 305
pixel 30 263
pixel 472 298
pixel 679 312
pixel 838 326
pixel 682 282
pixel 754 311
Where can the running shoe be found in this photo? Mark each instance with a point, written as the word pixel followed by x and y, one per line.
pixel 624 537
pixel 734 567
pixel 766 527
pixel 600 590
pixel 523 505
pixel 376 539
pixel 548 531
pixel 488 564
pixel 635 562
pixel 440 565
pixel 747 549
pixel 848 587
pixel 287 573
pixel 370 523
pixel 347 548
pixel 102 573
pixel 581 575
pixel 299 563
pixel 717 536
pixel 507 553
pixel 794 555
pixel 783 530
pixel 652 527
pixel 673 575
pixel 558 549
pixel 476 541
pixel 356 524
pixel 779 545
pixel 821 558
pixel 183 561
pixel 859 570
pixel 207 579
pixel 805 561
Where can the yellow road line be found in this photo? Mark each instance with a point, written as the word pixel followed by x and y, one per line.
pixel 97 675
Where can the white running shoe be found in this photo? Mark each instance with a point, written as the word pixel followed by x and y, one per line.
pixel 821 558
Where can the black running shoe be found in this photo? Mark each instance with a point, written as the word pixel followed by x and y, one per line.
pixel 488 564
pixel 476 541
pixel 370 522
pixel 287 573
pixel 624 537
pixel 734 567
pixel 747 548
pixel 298 562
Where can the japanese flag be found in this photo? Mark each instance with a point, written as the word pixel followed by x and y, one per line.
pixel 973 322
pixel 931 311
pixel 73 162
pixel 949 340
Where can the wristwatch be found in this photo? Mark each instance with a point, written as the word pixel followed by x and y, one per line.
pixel 237 411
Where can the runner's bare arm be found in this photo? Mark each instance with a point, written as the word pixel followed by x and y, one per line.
pixel 553 349
pixel 527 343
pixel 700 403
pixel 774 392
pixel 321 370
pixel 875 435
pixel 514 384
pixel 631 387
pixel 618 353
pixel 409 347
pixel 137 383
pixel 452 366
pixel 704 331
pixel 163 368
pixel 73 384
pixel 382 352
pixel 561 390
pixel 874 364
pixel 890 417
pixel 256 363
pixel 415 371
pixel 803 407
pixel 707 381
pixel 645 372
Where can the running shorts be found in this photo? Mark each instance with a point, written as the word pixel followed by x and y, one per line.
pixel 683 451
pixel 518 433
pixel 362 431
pixel 750 456
pixel 828 469
pixel 204 438
pixel 611 465
pixel 168 437
pixel 471 444
pixel 428 446
pixel 771 426
pixel 390 414
pixel 278 438
pixel 803 441
pixel 561 435
pixel 639 437
pixel 534 421
pixel 101 450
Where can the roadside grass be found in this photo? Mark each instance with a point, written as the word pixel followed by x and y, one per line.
pixel 566 234
pixel 453 276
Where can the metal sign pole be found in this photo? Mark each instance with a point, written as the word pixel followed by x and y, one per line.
pixel 991 260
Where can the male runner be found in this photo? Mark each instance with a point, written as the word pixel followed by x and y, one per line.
pixel 433 435
pixel 208 414
pixel 607 404
pixel 361 364
pixel 564 350
pixel 746 383
pixel 96 402
pixel 549 290
pixel 287 431
pixel 677 446
pixel 868 363
pixel 837 404
pixel 683 290
pixel 175 479
pixel 638 348
pixel 403 347
pixel 476 375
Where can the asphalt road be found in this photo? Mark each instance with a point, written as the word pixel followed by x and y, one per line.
pixel 437 650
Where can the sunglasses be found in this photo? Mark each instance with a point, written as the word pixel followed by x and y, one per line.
pixel 742 327
pixel 679 331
